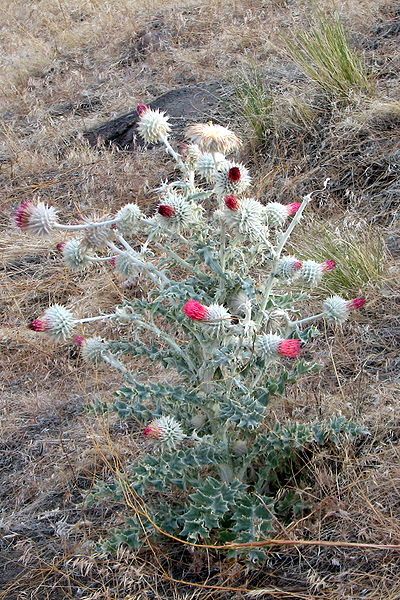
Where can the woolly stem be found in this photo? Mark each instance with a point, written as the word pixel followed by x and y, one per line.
pixel 144 265
pixel 295 324
pixel 85 225
pixel 99 318
pixel 284 239
pixel 114 362
pixel 173 153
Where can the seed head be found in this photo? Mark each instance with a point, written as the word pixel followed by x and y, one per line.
pixel 213 138
pixel 337 309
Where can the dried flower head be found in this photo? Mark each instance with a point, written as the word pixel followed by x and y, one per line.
pixel 213 138
pixel 57 321
pixel 153 126
pixel 93 349
pixel 39 219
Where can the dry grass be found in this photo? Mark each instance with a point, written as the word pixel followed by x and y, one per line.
pixel 76 65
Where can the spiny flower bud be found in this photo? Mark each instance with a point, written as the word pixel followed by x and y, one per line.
pixel 245 217
pixel 205 165
pixel 38 218
pixel 311 272
pixel 277 213
pixel 176 212
pixel 128 218
pixel 75 254
pixel 231 179
pixel 288 267
pixel 338 309
pixel 153 126
pixel 57 321
pixel 166 430
pixel 272 346
pixel 97 236
pixel 92 349
pixel 191 154
pixel 232 202
pixel 213 138
pixel 126 264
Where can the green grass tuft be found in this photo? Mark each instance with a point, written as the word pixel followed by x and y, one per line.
pixel 323 53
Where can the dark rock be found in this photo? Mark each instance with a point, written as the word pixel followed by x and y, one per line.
pixel 195 103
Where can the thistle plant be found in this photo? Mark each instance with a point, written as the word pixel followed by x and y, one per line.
pixel 219 313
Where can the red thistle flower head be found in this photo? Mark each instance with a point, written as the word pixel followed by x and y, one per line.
pixel 142 108
pixel 297 265
pixel 234 174
pixel 79 340
pixel 38 325
pixel 60 246
pixel 23 214
pixel 356 303
pixel 292 208
pixel 113 261
pixel 166 211
pixel 152 431
pixel 195 310
pixel 290 348
pixel 329 265
pixel 232 202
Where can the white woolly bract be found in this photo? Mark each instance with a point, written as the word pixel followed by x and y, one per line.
pixel 170 431
pixel 128 218
pixel 336 309
pixel 240 447
pixel 311 272
pixel 287 267
pixel 93 350
pixel 276 214
pixel 223 185
pixel 187 213
pixel 60 322
pixel 75 254
pixel 127 264
pixel 248 220
pixel 205 166
pixel 213 138
pixel 97 236
pixel 217 312
pixel 42 219
pixel 153 126
pixel 267 345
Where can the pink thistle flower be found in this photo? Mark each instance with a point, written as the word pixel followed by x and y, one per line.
pixel 142 108
pixel 232 202
pixel 152 431
pixel 60 246
pixel 39 325
pixel 195 310
pixel 292 208
pixel 289 348
pixel 79 340
pixel 234 174
pixel 165 210
pixel 357 303
pixel 23 214
pixel 113 261
pixel 328 265
pixel 297 265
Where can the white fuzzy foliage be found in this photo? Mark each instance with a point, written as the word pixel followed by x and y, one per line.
pixel 75 254
pixel 224 186
pixel 60 322
pixel 129 217
pixel 336 309
pixel 192 155
pixel 127 264
pixel 153 126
